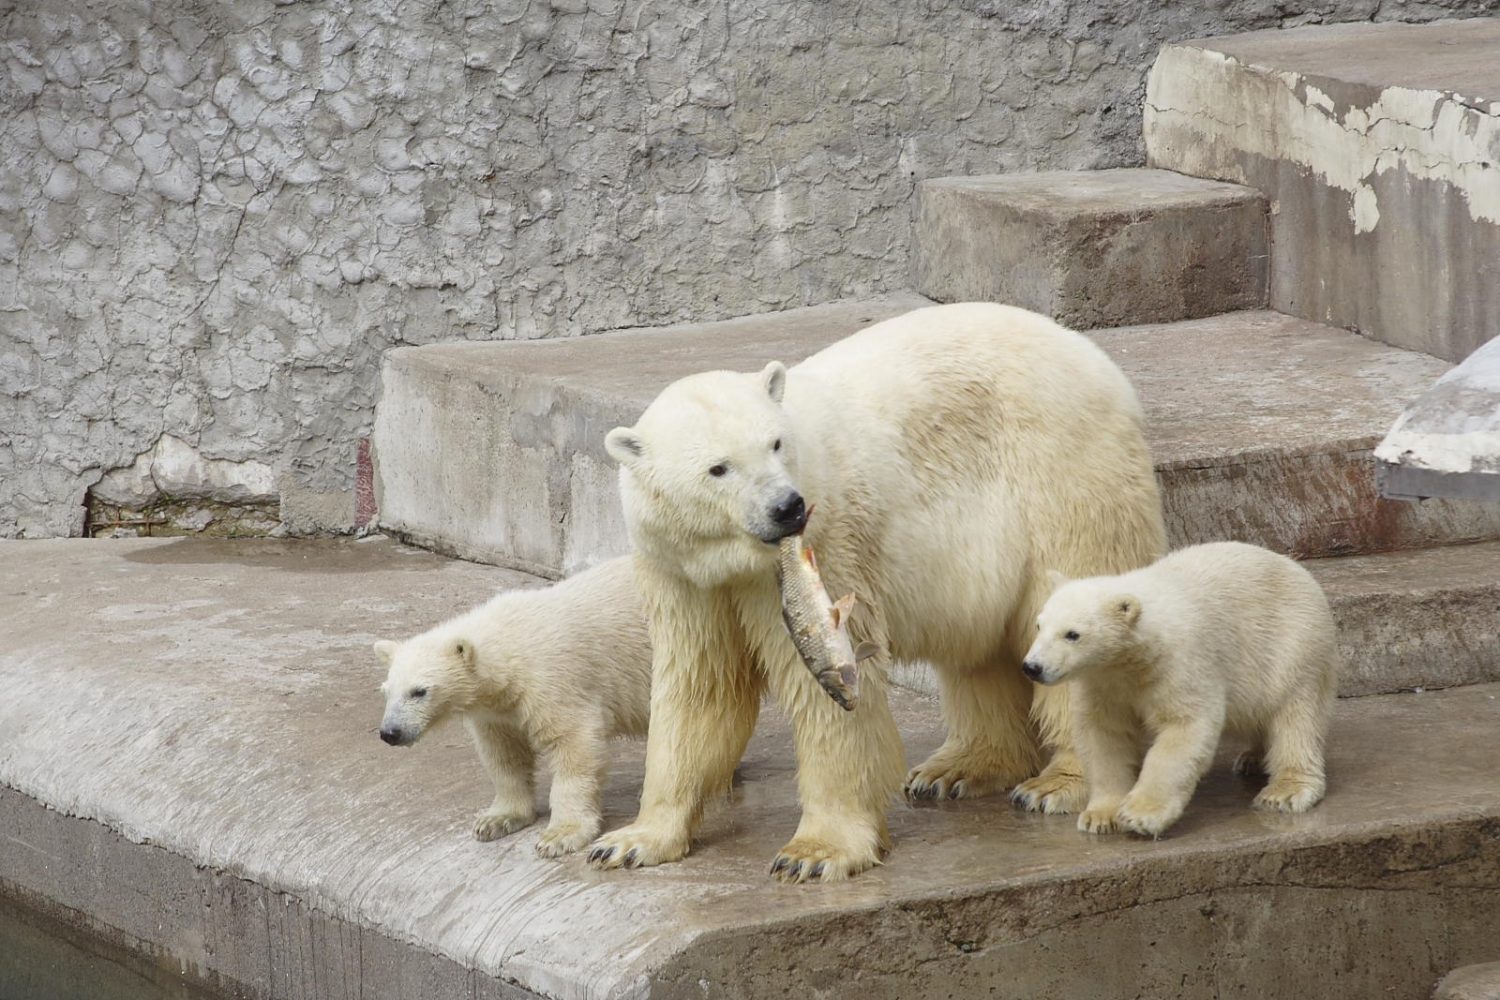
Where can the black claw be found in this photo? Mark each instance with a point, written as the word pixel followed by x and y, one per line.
pixel 953 792
pixel 794 871
pixel 602 854
pixel 780 863
pixel 817 871
pixel 632 858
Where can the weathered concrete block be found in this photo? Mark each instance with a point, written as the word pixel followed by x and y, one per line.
pixel 1093 248
pixel 1377 145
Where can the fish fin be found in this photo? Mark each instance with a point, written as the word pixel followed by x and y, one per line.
pixel 842 608
pixel 808 557
pixel 865 651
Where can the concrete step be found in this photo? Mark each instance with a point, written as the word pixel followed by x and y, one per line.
pixel 1417 620
pixel 190 766
pixel 1261 425
pixel 1378 145
pixel 1093 248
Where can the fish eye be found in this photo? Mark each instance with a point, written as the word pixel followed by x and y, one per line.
pixel 776 445
pixel 717 470
pixel 419 692
pixel 1071 636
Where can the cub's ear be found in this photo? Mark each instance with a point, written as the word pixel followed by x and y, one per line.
pixel 1055 579
pixel 625 446
pixel 464 650
pixel 773 377
pixel 385 649
pixel 1127 607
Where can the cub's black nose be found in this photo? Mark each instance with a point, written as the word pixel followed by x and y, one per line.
pixel 790 513
pixel 1032 670
pixel 390 734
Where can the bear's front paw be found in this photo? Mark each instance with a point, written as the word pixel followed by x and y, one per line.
pixel 1098 819
pixel 1291 795
pixel 565 838
pixel 1146 815
pixel 808 859
pixel 636 846
pixel 956 774
pixel 492 825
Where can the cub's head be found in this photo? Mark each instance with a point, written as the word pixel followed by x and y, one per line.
pixel 1085 625
pixel 428 677
pixel 713 460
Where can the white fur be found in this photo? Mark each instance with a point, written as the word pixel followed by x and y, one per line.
pixel 950 454
pixel 1213 638
pixel 553 673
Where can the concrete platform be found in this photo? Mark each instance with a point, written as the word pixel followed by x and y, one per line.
pixel 190 765
pixel 1261 425
pixel 1376 143
pixel 1093 248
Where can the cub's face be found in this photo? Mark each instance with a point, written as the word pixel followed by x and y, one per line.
pixel 712 460
pixel 425 680
pixel 1085 625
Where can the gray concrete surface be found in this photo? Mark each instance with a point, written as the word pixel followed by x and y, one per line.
pixel 1093 248
pixel 1472 982
pixel 214 218
pixel 190 763
pixel 1376 145
pixel 1261 425
pixel 1447 441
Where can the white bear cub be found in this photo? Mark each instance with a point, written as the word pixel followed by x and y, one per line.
pixel 555 672
pixel 1211 638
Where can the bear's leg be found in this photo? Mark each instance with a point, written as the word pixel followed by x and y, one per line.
pixel 1294 757
pixel 577 764
pixel 849 767
pixel 1111 757
pixel 705 697
pixel 991 742
pixel 1181 754
pixel 1060 788
pixel 508 758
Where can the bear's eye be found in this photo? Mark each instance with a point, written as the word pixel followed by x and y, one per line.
pixel 1071 636
pixel 717 470
pixel 419 692
pixel 776 445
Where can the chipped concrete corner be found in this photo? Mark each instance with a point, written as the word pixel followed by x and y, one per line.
pixel 1447 443
pixel 1386 204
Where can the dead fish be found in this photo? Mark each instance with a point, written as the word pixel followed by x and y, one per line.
pixel 819 627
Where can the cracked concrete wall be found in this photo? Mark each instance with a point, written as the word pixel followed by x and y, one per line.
pixel 215 217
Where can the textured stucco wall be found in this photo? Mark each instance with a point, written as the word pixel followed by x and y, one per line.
pixel 215 216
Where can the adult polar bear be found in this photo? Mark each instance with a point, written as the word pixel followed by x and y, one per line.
pixel 954 455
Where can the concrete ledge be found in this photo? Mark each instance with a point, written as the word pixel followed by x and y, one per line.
pixel 1376 143
pixel 1093 248
pixel 191 765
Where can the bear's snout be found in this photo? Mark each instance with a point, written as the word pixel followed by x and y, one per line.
pixel 789 514
pixel 1032 669
pixel 391 735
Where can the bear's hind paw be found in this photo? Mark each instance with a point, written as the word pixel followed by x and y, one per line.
pixel 807 859
pixel 635 847
pixel 1290 795
pixel 565 838
pixel 494 825
pixel 1098 820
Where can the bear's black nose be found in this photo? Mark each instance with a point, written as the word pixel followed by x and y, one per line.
pixel 390 734
pixel 1032 670
pixel 791 513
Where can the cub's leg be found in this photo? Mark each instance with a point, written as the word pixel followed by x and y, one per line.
pixel 511 764
pixel 577 764
pixel 1294 757
pixel 1111 756
pixel 1181 754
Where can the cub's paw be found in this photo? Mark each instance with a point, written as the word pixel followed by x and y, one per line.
pixel 565 838
pixel 1146 815
pixel 494 825
pixel 636 846
pixel 808 859
pixel 1249 764
pixel 1056 791
pixel 1290 795
pixel 1098 820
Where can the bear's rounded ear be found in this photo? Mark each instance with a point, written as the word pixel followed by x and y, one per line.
pixel 773 377
pixel 1128 608
pixel 385 649
pixel 1055 579
pixel 464 650
pixel 624 445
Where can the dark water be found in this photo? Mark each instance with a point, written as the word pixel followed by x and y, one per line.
pixel 44 960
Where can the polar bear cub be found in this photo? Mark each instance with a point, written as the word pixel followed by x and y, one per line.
pixel 1215 637
pixel 552 673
